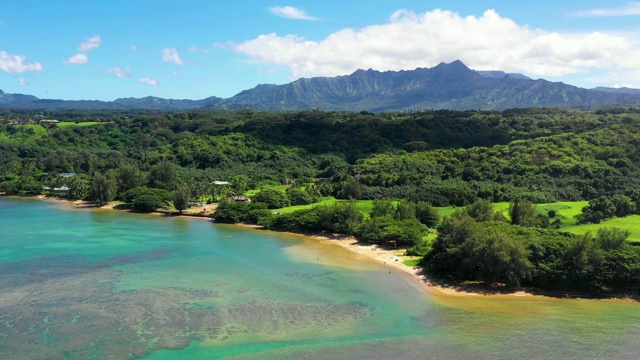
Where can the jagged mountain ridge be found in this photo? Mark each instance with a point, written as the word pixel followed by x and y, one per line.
pixel 446 86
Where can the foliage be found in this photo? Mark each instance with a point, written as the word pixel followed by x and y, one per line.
pixel 147 203
pixel 272 198
pixel 405 210
pixel 341 217
pixel 387 230
pixel 606 207
pixel 163 175
pixel 129 177
pixel 481 210
pixel 467 250
pixel 181 199
pixel 103 189
pixel 143 199
pixel 382 208
pixel 427 214
pixel 232 212
pixel 471 251
pixel 524 213
pixel 298 196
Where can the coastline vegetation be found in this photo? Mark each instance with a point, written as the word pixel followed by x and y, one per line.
pixel 545 198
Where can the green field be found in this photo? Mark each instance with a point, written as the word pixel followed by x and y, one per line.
pixel 253 192
pixel 36 128
pixel 630 223
pixel 566 212
pixel 364 206
pixel 73 123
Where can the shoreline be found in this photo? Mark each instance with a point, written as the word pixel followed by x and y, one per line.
pixel 386 257
pixel 390 259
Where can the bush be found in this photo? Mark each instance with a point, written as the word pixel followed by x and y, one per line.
pixel 306 219
pixel 143 199
pixel 298 196
pixel 427 214
pixel 147 203
pixel 341 217
pixel 274 199
pixel 232 212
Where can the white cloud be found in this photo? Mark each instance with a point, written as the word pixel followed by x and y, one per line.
pixel 148 80
pixel 289 12
pixel 133 47
pixel 77 59
pixel 91 43
pixel 12 63
pixel 194 48
pixel 630 9
pixel 85 46
pixel 175 73
pixel 23 82
pixel 171 55
pixel 409 40
pixel 120 72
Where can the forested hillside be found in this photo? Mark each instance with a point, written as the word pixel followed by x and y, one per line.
pixel 443 157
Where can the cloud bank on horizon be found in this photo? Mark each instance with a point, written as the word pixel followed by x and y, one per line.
pixel 485 40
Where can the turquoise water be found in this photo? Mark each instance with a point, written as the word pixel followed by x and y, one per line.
pixel 101 284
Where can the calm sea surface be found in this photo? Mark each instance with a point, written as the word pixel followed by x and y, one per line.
pixel 100 284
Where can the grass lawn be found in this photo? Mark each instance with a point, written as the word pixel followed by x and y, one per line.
pixel 289 209
pixel 38 129
pixel 630 223
pixel 253 192
pixel 565 211
pixel 446 210
pixel 364 206
pixel 73 123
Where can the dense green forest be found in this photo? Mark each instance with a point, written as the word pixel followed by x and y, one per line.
pixel 420 160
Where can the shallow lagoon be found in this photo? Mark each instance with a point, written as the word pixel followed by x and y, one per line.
pixel 98 284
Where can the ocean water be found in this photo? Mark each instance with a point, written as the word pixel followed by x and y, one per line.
pixel 101 284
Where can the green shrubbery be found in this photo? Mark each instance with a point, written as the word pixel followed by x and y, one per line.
pixel 496 251
pixel 143 199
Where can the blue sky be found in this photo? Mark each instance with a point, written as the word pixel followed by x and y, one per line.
pixel 103 50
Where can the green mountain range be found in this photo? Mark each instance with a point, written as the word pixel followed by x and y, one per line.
pixel 446 86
